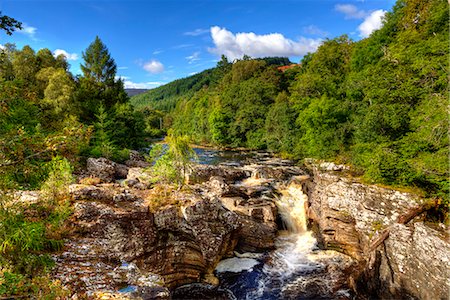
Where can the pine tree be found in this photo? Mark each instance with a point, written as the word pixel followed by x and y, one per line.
pixel 99 65
pixel 98 86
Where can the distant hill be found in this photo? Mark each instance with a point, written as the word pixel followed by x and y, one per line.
pixel 165 97
pixel 134 92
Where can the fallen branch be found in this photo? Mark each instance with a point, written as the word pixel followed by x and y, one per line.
pixel 404 219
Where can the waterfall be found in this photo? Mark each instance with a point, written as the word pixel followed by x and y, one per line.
pixel 292 208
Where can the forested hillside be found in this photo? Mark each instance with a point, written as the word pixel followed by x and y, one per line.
pixel 46 111
pixel 50 121
pixel 379 104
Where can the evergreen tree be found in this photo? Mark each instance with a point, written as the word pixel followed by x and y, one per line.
pixel 98 86
pixel 99 65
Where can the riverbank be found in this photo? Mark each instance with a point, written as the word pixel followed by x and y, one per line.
pixel 254 213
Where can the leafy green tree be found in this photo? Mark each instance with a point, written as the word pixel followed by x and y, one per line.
pixel 9 24
pixel 129 126
pixel 280 125
pixel 322 126
pixel 59 92
pixel 6 66
pixel 25 65
pixel 173 164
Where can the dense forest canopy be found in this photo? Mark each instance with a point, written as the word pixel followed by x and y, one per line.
pixel 50 121
pixel 379 104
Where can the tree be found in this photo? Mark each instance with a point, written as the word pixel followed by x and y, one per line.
pixel 102 141
pixel 99 65
pixel 173 164
pixel 59 91
pixel 6 66
pixel 9 24
pixel 98 86
pixel 25 65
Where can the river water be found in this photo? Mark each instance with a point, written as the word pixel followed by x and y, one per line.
pixel 297 268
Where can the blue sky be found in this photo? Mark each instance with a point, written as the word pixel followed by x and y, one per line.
pixel 155 42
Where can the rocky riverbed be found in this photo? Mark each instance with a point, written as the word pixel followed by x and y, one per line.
pixel 240 230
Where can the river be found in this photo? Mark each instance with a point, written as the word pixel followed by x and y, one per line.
pixel 297 268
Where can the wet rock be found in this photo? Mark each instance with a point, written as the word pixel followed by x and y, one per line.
pixel 256 236
pixel 262 210
pixel 201 291
pixel 152 293
pixel 272 170
pixel 203 173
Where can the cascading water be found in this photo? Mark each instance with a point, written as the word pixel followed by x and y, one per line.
pixel 289 268
pixel 297 268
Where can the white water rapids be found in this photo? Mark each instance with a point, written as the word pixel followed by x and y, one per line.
pixel 296 269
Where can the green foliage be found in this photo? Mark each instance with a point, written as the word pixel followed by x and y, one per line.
pixel 103 147
pixel 30 230
pixel 8 24
pixel 46 118
pixel 98 85
pixel 173 164
pixel 98 65
pixel 16 285
pixel 56 188
pixel 380 104
pixel 129 126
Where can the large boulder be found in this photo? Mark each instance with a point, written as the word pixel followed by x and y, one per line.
pixel 351 216
pixel 101 168
pixel 105 169
pixel 203 173
pixel 136 160
pixel 181 243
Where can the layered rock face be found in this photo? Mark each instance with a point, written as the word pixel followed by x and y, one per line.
pixel 173 245
pixel 411 263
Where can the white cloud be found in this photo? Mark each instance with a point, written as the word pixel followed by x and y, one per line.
pixel 69 56
pixel 192 73
pixel 2 47
pixel 371 23
pixel 314 30
pixel 122 68
pixel 196 32
pixel 182 46
pixel 156 52
pixel 153 66
pixel 350 11
pixel 274 44
pixel 193 58
pixel 128 84
pixel 28 30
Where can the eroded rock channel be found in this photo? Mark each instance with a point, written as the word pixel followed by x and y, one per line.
pixel 241 229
